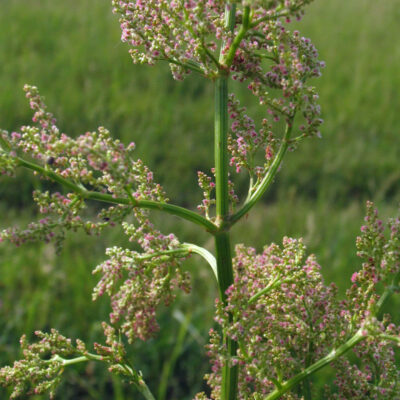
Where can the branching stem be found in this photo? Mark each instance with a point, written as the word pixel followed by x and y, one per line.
pixel 332 356
pixel 108 198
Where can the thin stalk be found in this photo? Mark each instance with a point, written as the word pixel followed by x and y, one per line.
pixel 137 380
pixel 228 59
pixel 108 198
pixel 222 239
pixel 221 148
pixel 267 180
pixel 332 356
pixel 225 279
pixel 201 251
pixel 273 285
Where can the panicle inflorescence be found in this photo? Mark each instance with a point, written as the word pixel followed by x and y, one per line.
pixel 245 141
pixel 43 362
pixel 138 282
pixel 93 161
pixel 279 312
pixel 189 34
pixel 40 369
pixel 97 163
pixel 381 263
pixel 183 33
pixel 284 318
pixel 276 65
pixel 376 376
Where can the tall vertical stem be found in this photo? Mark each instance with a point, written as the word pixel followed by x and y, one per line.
pixel 225 279
pixel 221 153
pixel 222 239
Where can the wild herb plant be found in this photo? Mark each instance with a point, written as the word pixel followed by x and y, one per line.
pixel 277 321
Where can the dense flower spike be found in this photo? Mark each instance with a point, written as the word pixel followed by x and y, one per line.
pixel 180 32
pixel 245 141
pixel 381 263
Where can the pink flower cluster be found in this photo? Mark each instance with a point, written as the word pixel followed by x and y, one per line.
pixel 183 33
pixel 207 183
pixel 276 66
pixel 40 370
pixel 284 318
pixel 245 141
pixel 137 282
pixel 37 372
pixel 381 263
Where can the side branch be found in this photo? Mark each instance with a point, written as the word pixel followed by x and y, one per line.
pixel 228 59
pixel 108 198
pixel 201 251
pixel 136 378
pixel 332 356
pixel 268 179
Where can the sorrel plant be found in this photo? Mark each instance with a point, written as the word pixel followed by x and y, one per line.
pixel 278 323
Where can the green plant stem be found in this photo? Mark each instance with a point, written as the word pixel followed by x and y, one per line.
pixel 222 238
pixel 388 292
pixel 137 379
pixel 228 59
pixel 332 356
pixel 268 179
pixel 201 251
pixel 273 285
pixel 108 198
pixel 225 279
pixel 221 152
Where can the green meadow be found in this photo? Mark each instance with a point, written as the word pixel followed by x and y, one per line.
pixel 72 52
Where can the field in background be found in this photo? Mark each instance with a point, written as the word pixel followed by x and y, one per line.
pixel 71 51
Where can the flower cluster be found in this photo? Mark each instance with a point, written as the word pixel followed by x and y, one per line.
pixel 40 369
pixel 186 33
pixel 279 312
pixel 381 264
pixel 276 65
pixel 376 376
pixel 245 141
pixel 284 318
pixel 44 361
pixel 137 282
pixel 183 33
pixel 207 183
pixel 95 163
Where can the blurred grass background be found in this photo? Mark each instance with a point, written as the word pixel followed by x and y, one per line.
pixel 72 52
